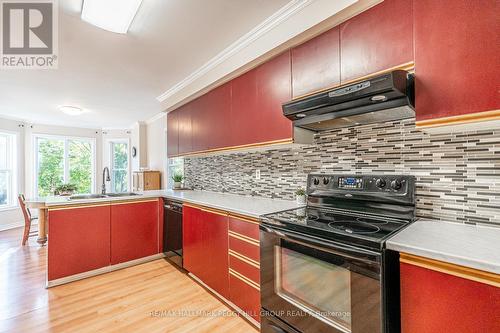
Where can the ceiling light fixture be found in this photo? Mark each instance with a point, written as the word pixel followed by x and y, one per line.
pixel 71 110
pixel 112 15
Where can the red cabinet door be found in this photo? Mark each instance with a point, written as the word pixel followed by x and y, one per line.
pixel 192 241
pixel 215 243
pixel 134 230
pixel 79 240
pixel 217 113
pixel 246 118
pixel 185 129
pixel 274 87
pixel 205 252
pixel 377 39
pixel 316 63
pixel 432 301
pixel 245 296
pixel 172 133
pixel 456 57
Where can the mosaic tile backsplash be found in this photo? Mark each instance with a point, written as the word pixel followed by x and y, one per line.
pixel 458 174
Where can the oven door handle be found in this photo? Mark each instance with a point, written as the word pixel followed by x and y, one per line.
pixel 334 248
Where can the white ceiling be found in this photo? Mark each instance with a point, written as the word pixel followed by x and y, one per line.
pixel 118 77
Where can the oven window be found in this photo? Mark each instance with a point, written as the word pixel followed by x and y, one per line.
pixel 315 286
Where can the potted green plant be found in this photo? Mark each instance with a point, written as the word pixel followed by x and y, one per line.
pixel 300 196
pixel 65 189
pixel 177 178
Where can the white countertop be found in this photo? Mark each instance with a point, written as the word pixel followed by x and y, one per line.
pixel 461 244
pixel 245 205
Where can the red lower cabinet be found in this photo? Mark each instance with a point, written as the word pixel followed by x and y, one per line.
pixel 205 247
pixel 134 230
pixel 245 296
pixel 79 240
pixel 244 265
pixel 433 301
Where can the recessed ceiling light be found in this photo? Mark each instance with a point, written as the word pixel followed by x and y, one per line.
pixel 112 15
pixel 71 110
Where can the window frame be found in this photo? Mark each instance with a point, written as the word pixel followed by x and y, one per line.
pixel 66 140
pixel 172 164
pixel 111 143
pixel 12 151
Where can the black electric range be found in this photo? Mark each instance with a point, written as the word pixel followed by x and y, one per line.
pixel 329 258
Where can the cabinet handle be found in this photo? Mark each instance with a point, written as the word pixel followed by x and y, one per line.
pixel 244 279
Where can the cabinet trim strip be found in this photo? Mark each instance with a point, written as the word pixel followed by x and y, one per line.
pixel 77 206
pixel 229 148
pixel 244 218
pixel 243 278
pixel 125 202
pixel 244 238
pixel 452 269
pixel 244 258
pixel 461 119
pixel 102 270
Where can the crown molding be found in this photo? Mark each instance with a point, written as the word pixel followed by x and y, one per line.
pixel 155 118
pixel 271 22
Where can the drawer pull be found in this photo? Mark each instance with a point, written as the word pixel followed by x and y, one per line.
pixel 244 259
pixel 243 278
pixel 244 238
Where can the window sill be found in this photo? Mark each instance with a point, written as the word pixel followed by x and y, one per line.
pixel 7 208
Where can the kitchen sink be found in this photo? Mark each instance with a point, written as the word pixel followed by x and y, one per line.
pixel 86 196
pixel 123 194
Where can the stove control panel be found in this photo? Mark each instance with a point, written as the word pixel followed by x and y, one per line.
pixel 350 182
pixel 382 184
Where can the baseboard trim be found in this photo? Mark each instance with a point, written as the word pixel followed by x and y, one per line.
pixel 228 302
pixel 9 226
pixel 102 270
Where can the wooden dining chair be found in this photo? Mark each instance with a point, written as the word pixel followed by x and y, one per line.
pixel 28 219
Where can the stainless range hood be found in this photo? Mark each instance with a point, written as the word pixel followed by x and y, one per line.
pixel 383 98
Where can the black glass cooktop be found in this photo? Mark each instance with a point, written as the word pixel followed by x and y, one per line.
pixel 351 228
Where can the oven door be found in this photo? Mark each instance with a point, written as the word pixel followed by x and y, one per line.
pixel 319 286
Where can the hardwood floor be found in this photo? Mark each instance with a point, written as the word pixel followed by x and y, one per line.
pixel 152 297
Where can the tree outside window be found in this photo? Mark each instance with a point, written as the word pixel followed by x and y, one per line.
pixel 119 166
pixel 64 160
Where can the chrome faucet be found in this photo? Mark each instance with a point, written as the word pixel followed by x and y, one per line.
pixel 104 180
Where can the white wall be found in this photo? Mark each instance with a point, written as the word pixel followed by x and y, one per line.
pixel 13 217
pixel 157 146
pixel 139 141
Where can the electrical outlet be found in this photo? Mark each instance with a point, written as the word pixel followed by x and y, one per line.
pixel 257 174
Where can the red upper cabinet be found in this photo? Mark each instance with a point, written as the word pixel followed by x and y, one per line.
pixel 377 39
pixel 172 133
pixel 456 57
pixel 217 113
pixel 316 63
pixel 274 87
pixel 134 230
pixel 185 129
pixel 245 115
pixel 79 240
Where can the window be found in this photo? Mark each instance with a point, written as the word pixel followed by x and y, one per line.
pixel 175 166
pixel 119 166
pixel 8 179
pixel 62 160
